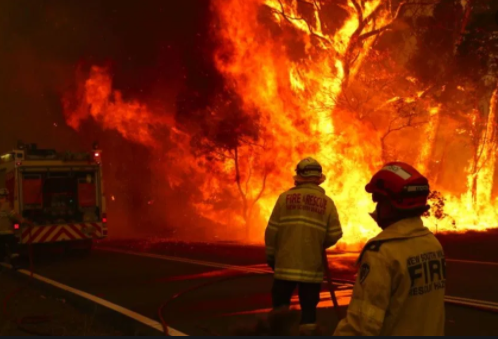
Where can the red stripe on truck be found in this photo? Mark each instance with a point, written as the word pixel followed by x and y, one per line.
pixel 78 232
pixel 33 234
pixel 58 235
pixel 48 233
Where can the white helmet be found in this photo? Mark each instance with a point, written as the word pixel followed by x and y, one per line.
pixel 4 192
pixel 309 170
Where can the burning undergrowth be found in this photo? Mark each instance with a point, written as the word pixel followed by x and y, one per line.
pixel 353 83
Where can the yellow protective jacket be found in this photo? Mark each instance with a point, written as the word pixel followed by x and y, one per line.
pixel 6 218
pixel 304 222
pixel 400 286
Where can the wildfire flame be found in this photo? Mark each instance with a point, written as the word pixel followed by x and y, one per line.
pixel 293 73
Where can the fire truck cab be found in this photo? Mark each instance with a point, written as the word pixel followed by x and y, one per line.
pixel 55 197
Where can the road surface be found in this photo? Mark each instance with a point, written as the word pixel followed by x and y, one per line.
pixel 142 283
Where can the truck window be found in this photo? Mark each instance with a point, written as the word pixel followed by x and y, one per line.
pixel 32 191
pixel 86 194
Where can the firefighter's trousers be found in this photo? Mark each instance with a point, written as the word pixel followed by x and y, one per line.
pixel 309 296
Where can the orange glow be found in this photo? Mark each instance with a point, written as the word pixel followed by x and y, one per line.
pixel 296 72
pixel 98 100
pixel 425 154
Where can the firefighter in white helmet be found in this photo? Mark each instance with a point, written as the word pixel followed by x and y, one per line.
pixel 304 223
pixel 8 241
pixel 401 282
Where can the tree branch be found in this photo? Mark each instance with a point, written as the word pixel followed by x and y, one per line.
pixel 374 32
pixel 263 186
pixel 248 179
pixel 359 12
pixel 290 18
pixel 237 177
pixel 251 143
pixel 358 36
pixel 389 25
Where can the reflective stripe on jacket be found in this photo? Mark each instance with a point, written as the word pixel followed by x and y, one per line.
pixel 400 286
pixel 304 222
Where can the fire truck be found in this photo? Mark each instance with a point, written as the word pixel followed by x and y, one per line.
pixel 58 197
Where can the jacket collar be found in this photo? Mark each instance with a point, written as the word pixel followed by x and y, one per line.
pixel 311 186
pixel 405 228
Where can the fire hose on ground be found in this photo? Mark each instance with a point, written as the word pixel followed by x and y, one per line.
pixel 492 307
pixel 328 276
pixel 330 286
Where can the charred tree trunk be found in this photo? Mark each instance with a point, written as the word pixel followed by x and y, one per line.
pixel 248 204
pixel 485 136
pixel 473 187
pixel 243 195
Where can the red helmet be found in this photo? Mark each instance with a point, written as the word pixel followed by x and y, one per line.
pixel 402 184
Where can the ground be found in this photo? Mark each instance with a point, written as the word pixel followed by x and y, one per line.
pixel 25 301
pixel 214 298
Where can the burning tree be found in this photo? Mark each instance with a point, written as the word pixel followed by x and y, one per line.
pixel 440 31
pixel 479 50
pixel 423 40
pixel 406 115
pixel 230 138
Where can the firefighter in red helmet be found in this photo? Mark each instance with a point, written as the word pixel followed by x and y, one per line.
pixel 400 286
